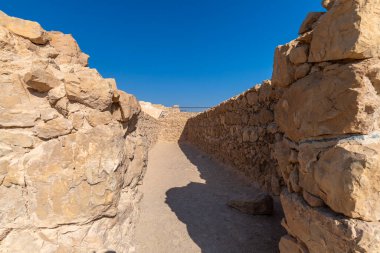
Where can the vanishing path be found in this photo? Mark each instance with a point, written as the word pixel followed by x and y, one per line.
pixel 184 207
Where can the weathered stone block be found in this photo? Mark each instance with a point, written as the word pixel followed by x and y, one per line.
pixel 53 128
pixel 337 100
pixel 24 28
pixel 321 230
pixel 349 30
pixel 80 88
pixel 41 80
pixel 68 49
pixel 77 178
pixel 128 105
pixel 344 174
pixel 283 68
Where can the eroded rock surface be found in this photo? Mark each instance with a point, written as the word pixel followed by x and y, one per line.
pixel 318 138
pixel 71 147
pixel 241 132
pixel 329 153
pixel 349 30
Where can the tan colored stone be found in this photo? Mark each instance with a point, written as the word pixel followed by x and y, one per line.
pixel 252 97
pixel 298 55
pixel 62 106
pixel 267 91
pixel 282 152
pixel 302 71
pixel 283 68
pixel 80 88
pixel 96 118
pixel 151 109
pixel 18 117
pixel 68 49
pixel 312 200
pixel 76 178
pixel 309 22
pixel 289 245
pixel 13 208
pixel 24 28
pixel 56 93
pixel 137 167
pixel 6 40
pixel 41 80
pixel 78 119
pixel 53 128
pixel 62 177
pixel 321 230
pixel 49 114
pixel 5 149
pixel 348 30
pixel 116 95
pixel 16 138
pixel 344 174
pixel 4 163
pixel 338 100
pixel 305 38
pixel 15 174
pixel 128 105
pixel 13 92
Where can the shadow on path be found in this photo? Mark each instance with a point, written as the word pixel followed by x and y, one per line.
pixel 211 224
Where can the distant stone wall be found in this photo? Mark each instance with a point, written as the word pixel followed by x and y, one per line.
pixel 150 128
pixel 168 127
pixel 172 124
pixel 241 132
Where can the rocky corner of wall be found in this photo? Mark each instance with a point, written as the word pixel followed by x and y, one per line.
pixel 71 153
pixel 329 114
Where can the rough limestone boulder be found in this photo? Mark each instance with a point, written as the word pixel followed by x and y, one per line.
pixel 320 230
pixel 290 63
pixel 70 155
pixel 41 80
pixel 349 30
pixel 338 99
pixel 328 154
pixel 24 28
pixel 67 49
pixel 344 174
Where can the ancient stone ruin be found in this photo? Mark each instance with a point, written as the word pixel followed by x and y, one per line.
pixel 71 152
pixel 314 128
pixel 73 148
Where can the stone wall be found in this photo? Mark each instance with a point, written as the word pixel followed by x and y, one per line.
pixel 150 128
pixel 172 124
pixel 328 141
pixel 329 114
pixel 242 132
pixel 162 124
pixel 71 149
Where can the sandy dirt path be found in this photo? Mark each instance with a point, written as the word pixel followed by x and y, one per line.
pixel 184 207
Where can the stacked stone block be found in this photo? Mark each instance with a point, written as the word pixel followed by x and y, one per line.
pixel 241 132
pixel 329 156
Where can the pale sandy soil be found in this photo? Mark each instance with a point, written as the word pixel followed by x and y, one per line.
pixel 184 207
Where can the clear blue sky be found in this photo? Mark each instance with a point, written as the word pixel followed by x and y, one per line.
pixel 187 52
